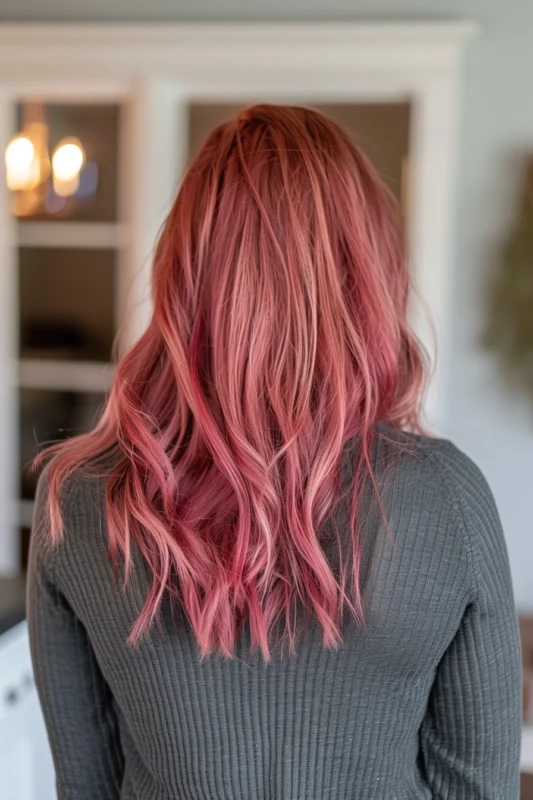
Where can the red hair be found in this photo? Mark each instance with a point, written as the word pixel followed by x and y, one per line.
pixel 279 332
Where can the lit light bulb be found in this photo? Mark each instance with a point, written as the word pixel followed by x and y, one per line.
pixel 68 159
pixel 22 164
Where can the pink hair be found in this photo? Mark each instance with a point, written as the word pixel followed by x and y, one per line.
pixel 278 333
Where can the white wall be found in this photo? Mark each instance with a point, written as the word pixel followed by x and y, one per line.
pixel 492 425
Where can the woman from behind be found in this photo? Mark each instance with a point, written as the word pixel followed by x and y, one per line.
pixel 248 581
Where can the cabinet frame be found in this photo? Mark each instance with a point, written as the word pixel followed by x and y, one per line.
pixel 154 72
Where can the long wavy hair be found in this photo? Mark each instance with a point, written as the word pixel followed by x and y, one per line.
pixel 279 332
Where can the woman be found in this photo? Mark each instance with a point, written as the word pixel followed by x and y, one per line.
pixel 247 581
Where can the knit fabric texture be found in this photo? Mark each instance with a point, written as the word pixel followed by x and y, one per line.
pixel 422 702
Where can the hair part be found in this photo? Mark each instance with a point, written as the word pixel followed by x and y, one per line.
pixel 279 332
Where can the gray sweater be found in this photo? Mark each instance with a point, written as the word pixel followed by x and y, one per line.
pixel 425 702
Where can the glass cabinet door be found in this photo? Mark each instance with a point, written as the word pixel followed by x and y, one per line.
pixel 69 260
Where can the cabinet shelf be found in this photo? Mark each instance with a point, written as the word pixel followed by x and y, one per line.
pixel 79 235
pixel 67 376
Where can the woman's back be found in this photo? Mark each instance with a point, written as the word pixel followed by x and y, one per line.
pixel 423 702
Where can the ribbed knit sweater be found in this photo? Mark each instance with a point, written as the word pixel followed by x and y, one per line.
pixel 422 703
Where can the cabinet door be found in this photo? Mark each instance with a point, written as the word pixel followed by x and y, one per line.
pixel 26 768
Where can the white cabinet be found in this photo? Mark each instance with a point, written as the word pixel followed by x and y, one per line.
pixel 147 80
pixel 526 761
pixel 26 768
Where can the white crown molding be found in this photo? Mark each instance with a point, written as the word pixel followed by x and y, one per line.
pixel 197 48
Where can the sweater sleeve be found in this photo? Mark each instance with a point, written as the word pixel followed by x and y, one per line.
pixel 75 699
pixel 471 733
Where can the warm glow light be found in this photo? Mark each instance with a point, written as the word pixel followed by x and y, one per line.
pixel 22 164
pixel 28 166
pixel 65 188
pixel 67 161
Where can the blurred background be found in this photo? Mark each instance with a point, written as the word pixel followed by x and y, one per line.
pixel 94 145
